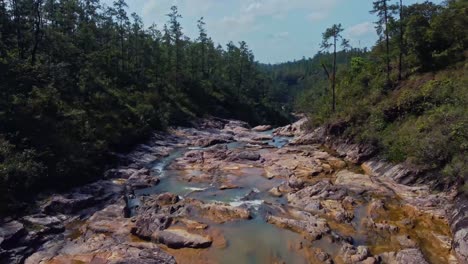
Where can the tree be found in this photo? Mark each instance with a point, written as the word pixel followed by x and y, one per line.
pixel 203 39
pixel 333 33
pixel 380 7
pixel 176 34
pixel 122 20
pixel 37 29
pixel 402 45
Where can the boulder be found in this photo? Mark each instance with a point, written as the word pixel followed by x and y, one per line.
pixel 146 225
pixel 220 213
pixel 351 254
pixel 312 227
pixel 211 141
pixel 68 204
pixel 179 238
pixel 261 128
pixel 405 256
pixel 459 227
pixel 275 191
pixel 246 155
pixel 10 233
pixel 44 220
pixel 360 183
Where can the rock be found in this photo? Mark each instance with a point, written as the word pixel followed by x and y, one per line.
pixel 261 128
pixel 146 225
pixel 275 191
pixel 166 199
pixel 147 256
pixel 228 187
pixel 10 233
pixel 405 256
pixel 44 220
pixel 110 220
pixel 295 182
pixel 68 204
pixel 261 137
pixel 314 228
pixel 277 171
pixel 191 224
pixel 322 256
pixel 178 238
pixel 444 241
pixel 406 241
pixel 142 179
pixel 360 183
pixel 106 251
pixel 351 254
pixel 400 173
pixel 305 139
pixel 355 153
pixel 459 227
pixel 336 164
pixel 220 212
pixel 246 155
pixel 211 141
pixel 381 226
pixel 336 211
pixel 295 129
pixel 309 198
pixel 119 173
pixel 375 208
pixel 369 260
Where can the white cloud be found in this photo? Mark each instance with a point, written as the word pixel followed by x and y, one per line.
pixel 280 8
pixel 247 18
pixel 360 30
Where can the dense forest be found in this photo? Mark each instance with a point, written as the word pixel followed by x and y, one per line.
pixel 407 96
pixel 80 80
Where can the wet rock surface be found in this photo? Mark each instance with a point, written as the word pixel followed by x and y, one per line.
pixel 221 192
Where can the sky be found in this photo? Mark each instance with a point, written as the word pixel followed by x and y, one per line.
pixel 275 30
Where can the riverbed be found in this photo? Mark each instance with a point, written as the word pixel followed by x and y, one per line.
pixel 222 192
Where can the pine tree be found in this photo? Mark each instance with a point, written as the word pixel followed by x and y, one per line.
pixel 333 33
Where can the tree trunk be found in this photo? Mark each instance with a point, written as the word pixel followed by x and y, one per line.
pixel 387 40
pixel 37 31
pixel 334 76
pixel 400 59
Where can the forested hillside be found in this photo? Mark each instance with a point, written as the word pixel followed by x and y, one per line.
pixel 79 80
pixel 408 98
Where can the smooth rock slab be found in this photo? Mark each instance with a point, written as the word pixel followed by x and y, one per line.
pixel 313 228
pixel 361 183
pixel 405 256
pixel 262 128
pixel 68 205
pixel 10 232
pixel 178 238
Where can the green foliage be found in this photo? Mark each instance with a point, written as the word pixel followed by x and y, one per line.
pixel 421 119
pixel 79 80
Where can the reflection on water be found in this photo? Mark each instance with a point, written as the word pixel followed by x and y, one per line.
pixel 247 241
pixel 255 241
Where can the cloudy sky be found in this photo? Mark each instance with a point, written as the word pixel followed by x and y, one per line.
pixel 276 30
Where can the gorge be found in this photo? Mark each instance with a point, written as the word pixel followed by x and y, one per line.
pixel 222 192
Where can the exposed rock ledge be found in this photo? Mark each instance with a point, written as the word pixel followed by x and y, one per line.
pixel 402 178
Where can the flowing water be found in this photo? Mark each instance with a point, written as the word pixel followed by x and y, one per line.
pixel 246 241
pixel 255 240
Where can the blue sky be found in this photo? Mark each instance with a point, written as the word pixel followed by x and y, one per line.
pixel 276 30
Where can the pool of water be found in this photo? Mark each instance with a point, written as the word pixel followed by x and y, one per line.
pixel 246 241
pixel 255 241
